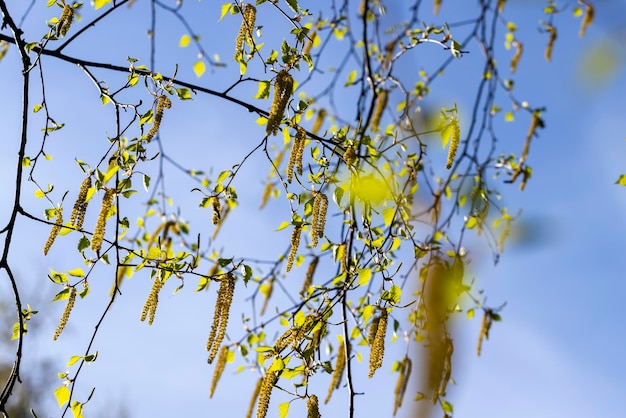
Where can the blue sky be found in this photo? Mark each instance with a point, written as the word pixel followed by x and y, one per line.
pixel 557 351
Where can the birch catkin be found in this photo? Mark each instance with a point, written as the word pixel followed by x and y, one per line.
pixel 245 30
pixel 377 351
pixel 54 232
pixel 295 243
pixel 455 137
pixel 80 206
pixel 98 234
pixel 221 314
pixel 318 217
pixel 66 313
pixel 283 87
pixel 219 369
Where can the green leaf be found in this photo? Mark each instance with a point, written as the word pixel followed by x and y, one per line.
pixel 99 3
pixel 351 78
pixel 225 9
pixel 146 182
pixel 74 360
pixel 183 94
pixel 392 295
pixel 283 409
pixel 16 331
pixel 470 313
pixel 223 176
pixel 338 195
pixel 388 215
pixel 199 68
pixel 293 5
pixel 446 407
pixel 83 243
pixel 621 180
pixel 39 193
pixel 184 41
pixel 471 222
pixel 62 393
pixel 77 409
pixel 263 91
pixel 63 294
pixel 277 365
pixel 36 108
pixel 364 276
pixel 77 272
pixel 283 225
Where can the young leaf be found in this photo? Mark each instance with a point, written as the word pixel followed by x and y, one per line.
pixel 62 393
pixel 199 68
pixel 283 409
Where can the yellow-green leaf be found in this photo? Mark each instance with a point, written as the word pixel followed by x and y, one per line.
pixel 264 90
pixel 199 68
pixel 184 41
pixel 77 409
pixel 277 365
pixel 73 360
pixel 39 193
pixel 364 276
pixel 388 215
pixel 77 272
pixel 283 409
pixel 62 393
pixel 16 331
pixel 225 9
pixel 471 222
pixel 99 3
pixel 351 78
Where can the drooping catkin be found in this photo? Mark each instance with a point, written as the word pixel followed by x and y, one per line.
pixel 377 350
pixel 54 232
pixel 402 383
pixel 221 314
pixel 389 48
pixel 552 30
pixel 435 210
pixel 217 207
pixel 266 290
pixel 308 278
pixel 349 156
pixel 313 407
pixel 283 88
pixel 309 43
pixel 255 395
pixel 294 335
pixel 295 156
pixel 265 393
pixel 381 104
pixel 436 7
pixel 163 102
pixel 501 4
pixel 267 191
pixel 80 206
pixel 245 30
pixel 455 137
pixel 98 233
pixel 587 19
pixel 485 326
pixel 373 329
pixel 340 366
pixel 295 243
pixel 318 217
pixel 342 257
pixel 66 19
pixel 150 307
pixel 319 120
pixel 65 316
pixel 519 48
pixel 219 369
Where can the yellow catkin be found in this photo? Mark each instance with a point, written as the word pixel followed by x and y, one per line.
pixel 283 88
pixel 435 210
pixel 313 407
pixel 371 335
pixel 377 351
pixel 436 6
pixel 295 243
pixel 340 365
pixel 80 206
pixel 350 156
pixel 319 121
pixel 265 393
pixel 266 290
pixel 220 317
pixel 54 232
pixel 389 48
pixel 267 192
pixel 455 137
pixel 223 215
pixel 362 6
pixel 342 256
pixel 163 102
pixel 255 395
pixel 318 217
pixel 402 383
pixel 219 369
pixel 295 156
pixel 4 47
pixel 149 308
pixel 217 207
pixel 65 316
pixel 485 326
pixel 587 19
pixel 381 104
pixel 98 234
pixel 519 48
pixel 309 43
pixel 552 30
pixel 308 278
pixel 245 30
pixel 66 19
pixel 501 4
pixel 505 234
